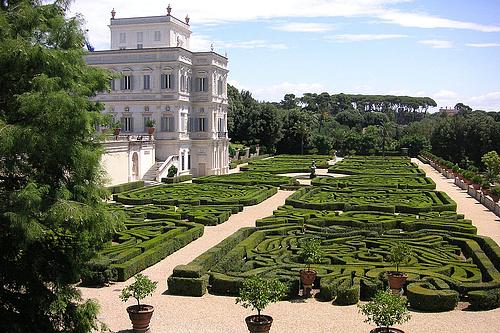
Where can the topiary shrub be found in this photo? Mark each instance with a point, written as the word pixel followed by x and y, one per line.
pixel 172 171
pixel 385 310
pixel 484 299
pixel 423 296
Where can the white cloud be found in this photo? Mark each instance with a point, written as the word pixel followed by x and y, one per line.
pixel 304 27
pixel 204 43
pixel 97 13
pixel 426 21
pixel 483 45
pixel 437 43
pixel 364 37
pixel 443 94
pixel 488 101
pixel 275 93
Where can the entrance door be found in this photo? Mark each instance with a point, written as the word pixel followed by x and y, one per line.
pixel 201 169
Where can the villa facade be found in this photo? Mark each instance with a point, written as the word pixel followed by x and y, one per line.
pixel 158 78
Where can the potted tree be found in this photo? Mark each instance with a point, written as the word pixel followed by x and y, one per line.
pixel 468 177
pixel 116 127
pixel 139 314
pixel 386 309
pixel 495 193
pixel 455 170
pixel 150 126
pixel 258 293
pixel 310 253
pixel 485 187
pixel 400 254
pixel 476 181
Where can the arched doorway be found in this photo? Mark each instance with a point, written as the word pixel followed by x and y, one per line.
pixel 135 166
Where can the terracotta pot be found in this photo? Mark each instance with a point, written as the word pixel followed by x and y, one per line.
pixel 258 324
pixel 151 130
pixel 140 315
pixel 486 191
pixel 476 186
pixel 116 131
pixel 385 330
pixel 495 197
pixel 307 277
pixel 396 279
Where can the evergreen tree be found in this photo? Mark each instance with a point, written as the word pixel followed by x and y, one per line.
pixel 52 216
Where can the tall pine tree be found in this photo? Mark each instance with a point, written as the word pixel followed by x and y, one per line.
pixel 52 218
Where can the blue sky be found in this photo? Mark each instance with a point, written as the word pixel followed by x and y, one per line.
pixel 446 49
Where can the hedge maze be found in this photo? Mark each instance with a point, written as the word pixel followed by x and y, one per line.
pixel 357 226
pixel 395 182
pixel 387 200
pixel 197 194
pixel 248 178
pixel 159 220
pixel 287 164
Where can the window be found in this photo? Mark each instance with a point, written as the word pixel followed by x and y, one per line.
pixel 183 83
pixel 123 37
pixel 126 82
pixel 112 84
pixel 189 161
pixel 139 37
pixel 189 83
pixel 167 124
pixel 157 36
pixel 190 124
pixel 201 124
pixel 166 81
pixel 127 124
pixel 219 87
pixel 201 84
pixel 147 82
pixel 182 161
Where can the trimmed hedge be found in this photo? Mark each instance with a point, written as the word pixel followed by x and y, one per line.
pixel 197 194
pixel 484 299
pixel 384 200
pixel 424 297
pixel 248 178
pixel 176 179
pixel 126 186
pixel 395 182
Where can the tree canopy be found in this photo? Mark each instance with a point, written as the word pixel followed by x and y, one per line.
pixel 52 218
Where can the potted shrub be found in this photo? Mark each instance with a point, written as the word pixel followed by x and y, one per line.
pixel 468 177
pixel 485 187
pixel 309 253
pixel 150 126
pixel 116 127
pixel 455 170
pixel 139 314
pixel 386 309
pixel 400 254
pixel 258 293
pixel 477 181
pixel 495 193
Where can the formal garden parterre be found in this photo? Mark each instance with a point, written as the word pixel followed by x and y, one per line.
pixel 288 164
pixel 159 220
pixel 357 225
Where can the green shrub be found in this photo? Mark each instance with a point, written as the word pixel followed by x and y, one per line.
pixel 188 286
pixel 386 309
pixel 484 299
pixel 424 297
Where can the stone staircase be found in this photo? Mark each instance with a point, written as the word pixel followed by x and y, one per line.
pixel 152 172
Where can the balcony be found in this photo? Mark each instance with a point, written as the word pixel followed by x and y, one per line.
pixel 222 135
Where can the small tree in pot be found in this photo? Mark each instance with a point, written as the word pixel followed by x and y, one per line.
pixel 400 254
pixel 495 193
pixel 258 293
pixel 385 310
pixel 139 314
pixel 476 182
pixel 150 126
pixel 310 253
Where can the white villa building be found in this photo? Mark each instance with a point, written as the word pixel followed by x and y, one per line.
pixel 184 92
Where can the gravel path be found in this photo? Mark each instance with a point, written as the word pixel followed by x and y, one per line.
pixel 220 314
pixel 487 223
